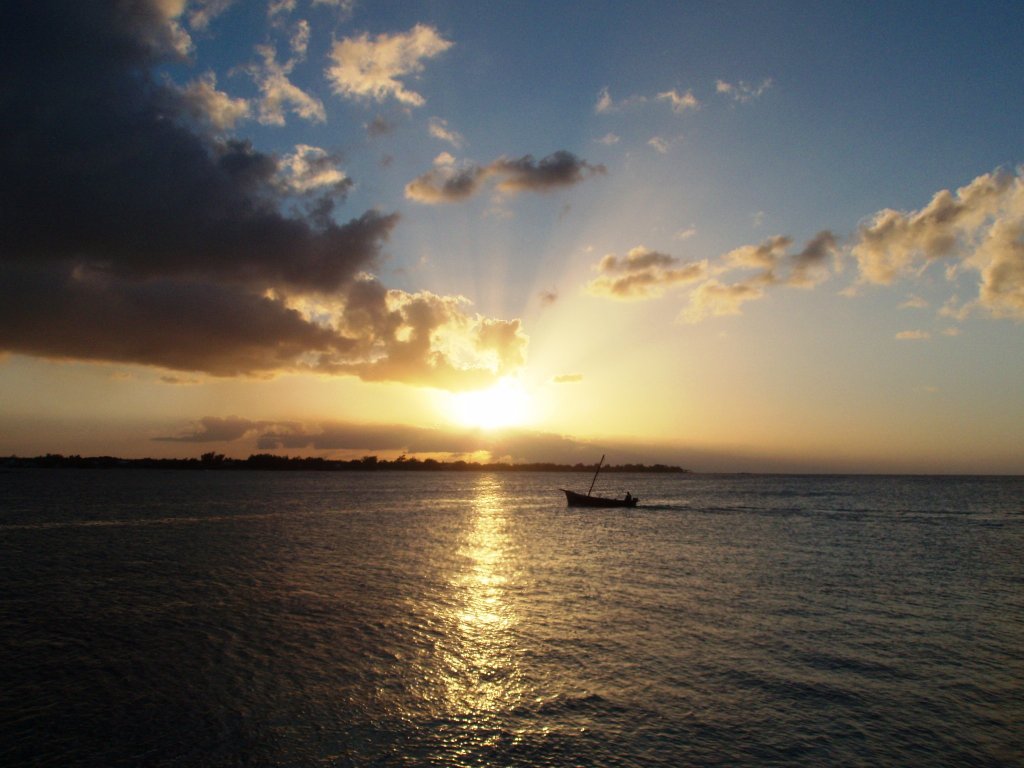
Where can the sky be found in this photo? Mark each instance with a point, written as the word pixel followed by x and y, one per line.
pixel 743 236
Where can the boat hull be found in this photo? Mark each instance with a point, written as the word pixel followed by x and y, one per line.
pixel 574 499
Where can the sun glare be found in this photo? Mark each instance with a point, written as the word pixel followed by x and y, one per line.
pixel 506 404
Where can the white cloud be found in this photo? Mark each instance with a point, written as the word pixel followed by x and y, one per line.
pixel 913 336
pixel 978 228
pixel 680 102
pixel 658 144
pixel 278 93
pixel 372 68
pixel 742 91
pixel 275 7
pixel 439 130
pixel 300 39
pixel 309 169
pixel 608 139
pixel 205 11
pixel 606 104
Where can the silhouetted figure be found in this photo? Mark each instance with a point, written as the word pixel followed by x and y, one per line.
pixel 629 496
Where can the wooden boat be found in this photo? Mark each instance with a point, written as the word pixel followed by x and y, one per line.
pixel 574 499
pixel 582 500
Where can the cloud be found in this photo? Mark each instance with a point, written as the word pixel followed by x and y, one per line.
pixel 421 338
pixel 914 302
pixel 568 378
pixel 344 7
pixel 642 274
pixel 658 144
pixel 213 429
pixel 311 169
pixel 144 236
pixel 608 139
pixel 772 263
pixel 274 7
pixel 742 91
pixel 278 93
pixel 647 274
pixel 777 265
pixel 680 102
pixel 370 69
pixel 451 182
pixel 446 183
pixel 439 130
pixel 713 299
pixel 913 336
pixel 978 228
pixel 511 444
pixel 299 41
pixel 206 104
pixel 548 297
pixel 606 104
pixel 177 324
pixel 379 126
pixel 205 11
pixel 559 169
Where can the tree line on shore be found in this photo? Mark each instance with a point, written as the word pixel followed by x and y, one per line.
pixel 267 461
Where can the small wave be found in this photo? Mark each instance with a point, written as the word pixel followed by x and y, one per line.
pixel 133 522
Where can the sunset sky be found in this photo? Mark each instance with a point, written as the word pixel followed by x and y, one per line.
pixel 733 236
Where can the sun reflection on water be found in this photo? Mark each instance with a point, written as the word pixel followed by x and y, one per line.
pixel 483 674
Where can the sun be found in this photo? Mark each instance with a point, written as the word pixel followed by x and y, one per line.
pixel 506 404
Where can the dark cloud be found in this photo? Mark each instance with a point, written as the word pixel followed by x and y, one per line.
pixel 130 231
pixel 515 445
pixel 213 429
pixel 379 126
pixel 548 296
pixel 449 183
pixel 133 229
pixel 182 325
pixel 560 169
pixel 446 185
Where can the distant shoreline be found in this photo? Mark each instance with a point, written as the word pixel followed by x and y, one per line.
pixel 266 461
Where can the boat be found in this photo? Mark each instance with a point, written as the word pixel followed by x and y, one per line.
pixel 583 500
pixel 574 499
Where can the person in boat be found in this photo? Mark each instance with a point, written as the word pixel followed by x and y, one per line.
pixel 629 497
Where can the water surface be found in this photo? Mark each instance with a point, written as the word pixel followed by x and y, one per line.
pixel 458 619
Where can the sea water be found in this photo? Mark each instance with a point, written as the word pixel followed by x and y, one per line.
pixel 163 618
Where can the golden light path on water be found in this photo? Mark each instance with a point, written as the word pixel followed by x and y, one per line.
pixel 483 679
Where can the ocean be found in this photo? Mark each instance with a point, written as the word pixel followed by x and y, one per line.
pixel 190 618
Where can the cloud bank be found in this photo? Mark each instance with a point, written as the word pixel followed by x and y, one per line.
pixel 978 229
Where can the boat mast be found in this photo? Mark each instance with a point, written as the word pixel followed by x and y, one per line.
pixel 595 474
